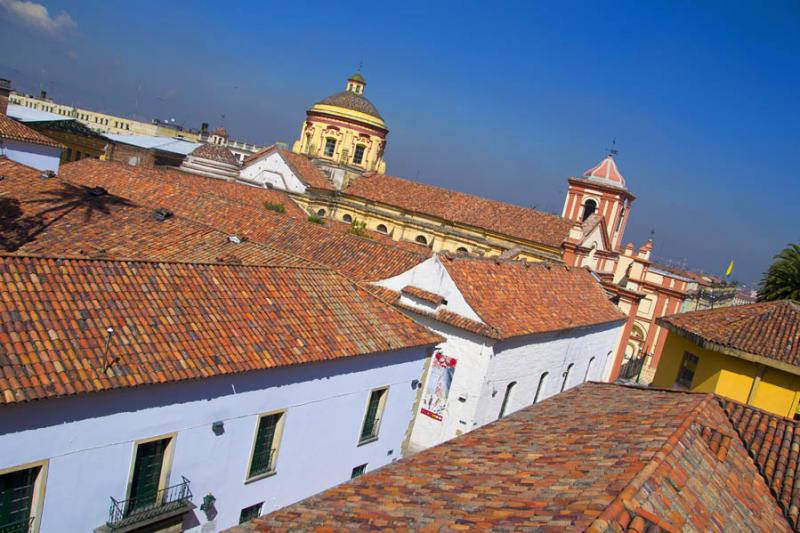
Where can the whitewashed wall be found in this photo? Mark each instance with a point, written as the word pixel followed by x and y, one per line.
pixel 273 170
pixel 34 155
pixel 89 439
pixel 524 359
pixel 472 354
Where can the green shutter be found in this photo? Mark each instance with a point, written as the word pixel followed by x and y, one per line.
pixel 16 497
pixel 371 418
pixel 263 451
pixel 146 474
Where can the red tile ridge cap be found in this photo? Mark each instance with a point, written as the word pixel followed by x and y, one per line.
pixel 622 503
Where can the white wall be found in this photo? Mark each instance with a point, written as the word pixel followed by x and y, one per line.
pixel 432 276
pixel 524 359
pixel 34 155
pixel 472 354
pixel 272 169
pixel 89 439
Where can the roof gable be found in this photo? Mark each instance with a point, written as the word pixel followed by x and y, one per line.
pixel 302 173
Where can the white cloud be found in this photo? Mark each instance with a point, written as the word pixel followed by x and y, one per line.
pixel 36 16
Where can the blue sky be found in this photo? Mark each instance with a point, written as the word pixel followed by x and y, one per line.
pixel 505 100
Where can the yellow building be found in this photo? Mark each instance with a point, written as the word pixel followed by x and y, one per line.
pixel 345 129
pixel 749 353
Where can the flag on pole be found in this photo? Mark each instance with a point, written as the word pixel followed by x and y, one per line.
pixel 730 269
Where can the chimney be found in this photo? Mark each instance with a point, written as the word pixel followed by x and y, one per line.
pixel 5 90
pixel 43 95
pixel 204 128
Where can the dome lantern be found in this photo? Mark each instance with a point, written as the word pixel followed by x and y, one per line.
pixel 356 83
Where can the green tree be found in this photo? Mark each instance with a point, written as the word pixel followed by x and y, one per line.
pixel 782 280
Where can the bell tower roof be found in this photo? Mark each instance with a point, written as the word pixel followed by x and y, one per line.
pixel 606 172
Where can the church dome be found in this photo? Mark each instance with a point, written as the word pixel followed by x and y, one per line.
pixel 606 172
pixel 212 161
pixel 352 101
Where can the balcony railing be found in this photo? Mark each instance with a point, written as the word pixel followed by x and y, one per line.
pixel 20 526
pixel 167 501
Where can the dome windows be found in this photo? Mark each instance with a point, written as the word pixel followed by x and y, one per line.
pixel 358 155
pixel 330 146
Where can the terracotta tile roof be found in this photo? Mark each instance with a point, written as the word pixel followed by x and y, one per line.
pixel 582 460
pixel 352 101
pixel 430 297
pixel 458 207
pixel 55 218
pixel 768 329
pixel 772 442
pixel 233 209
pixel 302 166
pixel 519 298
pixel 17 131
pixel 216 152
pixel 177 321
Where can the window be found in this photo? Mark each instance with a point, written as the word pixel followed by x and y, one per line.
pixel 588 368
pixel 77 155
pixel 509 390
pixel 330 146
pixel 321 213
pixel 149 475
pixel 566 376
pixel 621 217
pixel 539 387
pixel 372 417
pixel 589 207
pixel 421 240
pixel 249 513
pixel 20 498
pixel 347 218
pixel 462 250
pixel 358 155
pixel 358 471
pixel 265 447
pixel 382 228
pixel 687 370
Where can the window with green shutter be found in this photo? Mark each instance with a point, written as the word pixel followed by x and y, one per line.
pixel 249 513
pixel 265 448
pixel 358 471
pixel 16 499
pixel 372 418
pixel 146 479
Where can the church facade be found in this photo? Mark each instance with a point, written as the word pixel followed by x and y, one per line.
pixel 336 171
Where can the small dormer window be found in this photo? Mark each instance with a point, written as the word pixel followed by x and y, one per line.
pixel 330 146
pixel 358 155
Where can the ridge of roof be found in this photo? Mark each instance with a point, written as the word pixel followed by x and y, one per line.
pixel 462 208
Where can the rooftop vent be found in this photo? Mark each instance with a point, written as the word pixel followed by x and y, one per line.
pixel 162 213
pixel 97 191
pixel 234 239
pixel 47 174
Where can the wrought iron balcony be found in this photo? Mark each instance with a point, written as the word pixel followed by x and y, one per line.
pixel 169 501
pixel 20 526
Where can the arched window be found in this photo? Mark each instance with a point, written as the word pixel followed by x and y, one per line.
pixel 347 218
pixel 358 155
pixel 382 228
pixel 540 386
pixel 588 368
pixel 566 376
pixel 421 240
pixel 503 407
pixel 462 250
pixel 330 146
pixel 321 213
pixel 589 207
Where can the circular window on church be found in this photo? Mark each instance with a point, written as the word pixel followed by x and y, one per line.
pixel 382 228
pixel 421 240
pixel 347 218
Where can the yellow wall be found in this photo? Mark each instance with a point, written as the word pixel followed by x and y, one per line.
pixel 777 392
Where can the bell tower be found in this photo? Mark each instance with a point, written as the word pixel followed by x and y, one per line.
pixel 601 192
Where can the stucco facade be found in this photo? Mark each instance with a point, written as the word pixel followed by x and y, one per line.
pixel 86 443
